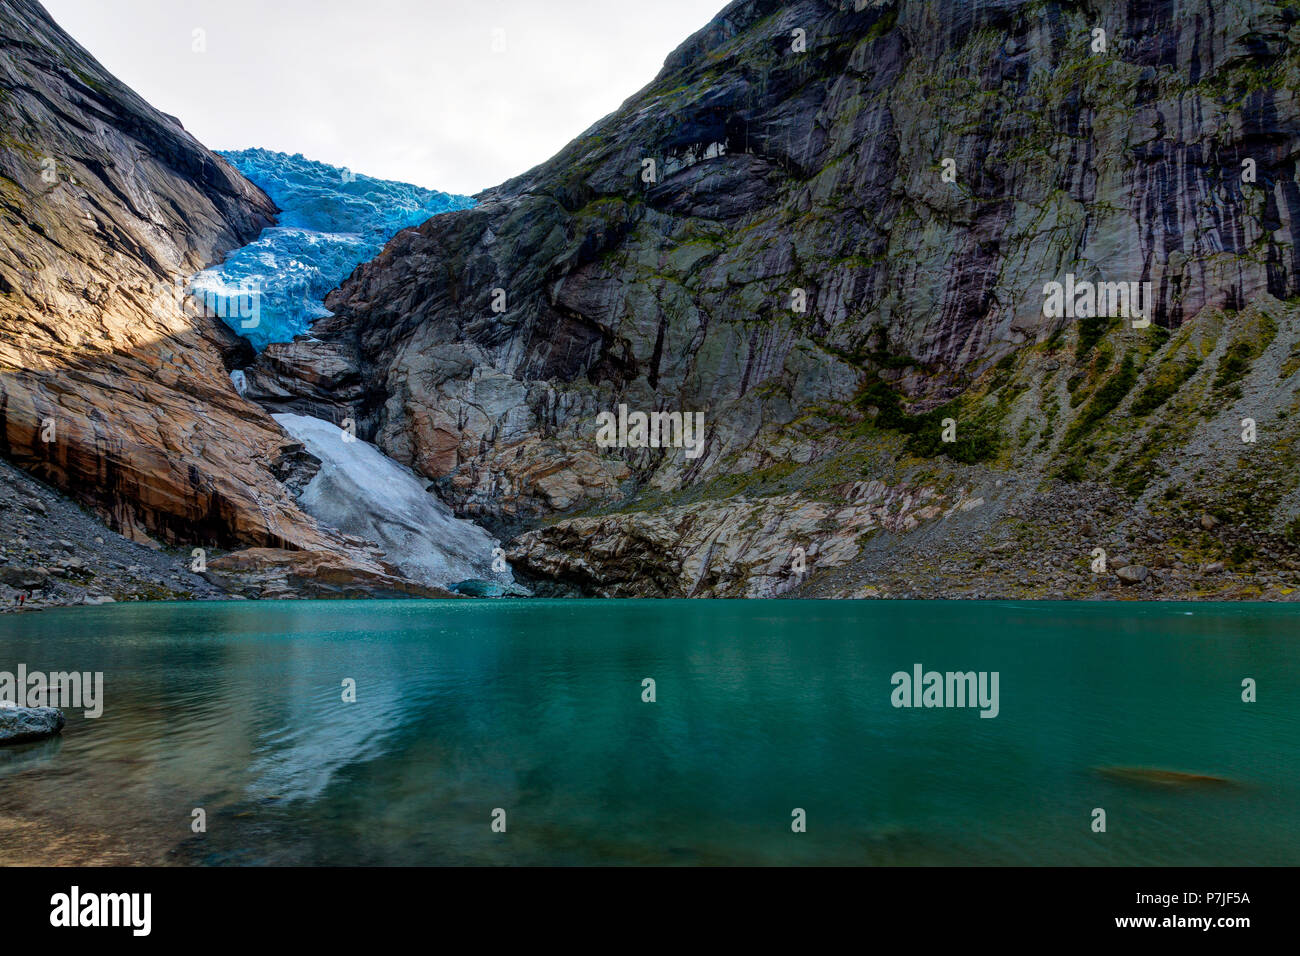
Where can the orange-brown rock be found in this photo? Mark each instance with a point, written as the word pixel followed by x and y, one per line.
pixel 278 573
pixel 109 390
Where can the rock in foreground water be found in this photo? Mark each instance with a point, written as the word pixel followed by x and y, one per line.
pixel 21 724
pixel 1163 778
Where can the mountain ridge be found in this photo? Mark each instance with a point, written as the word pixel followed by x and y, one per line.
pixel 830 228
pixel 924 302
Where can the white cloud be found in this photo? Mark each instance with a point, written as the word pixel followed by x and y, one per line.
pixel 411 91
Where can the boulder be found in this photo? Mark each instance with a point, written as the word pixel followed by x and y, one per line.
pixel 1132 574
pixel 24 579
pixel 21 724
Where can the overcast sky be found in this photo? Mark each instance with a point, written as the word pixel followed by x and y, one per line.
pixel 411 90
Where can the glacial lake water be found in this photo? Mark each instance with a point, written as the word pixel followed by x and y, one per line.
pixel 535 707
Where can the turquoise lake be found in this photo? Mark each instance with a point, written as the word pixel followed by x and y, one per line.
pixel 535 707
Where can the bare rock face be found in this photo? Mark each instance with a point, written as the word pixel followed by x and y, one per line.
pixel 735 548
pixel 271 573
pixel 110 390
pixel 307 377
pixel 766 234
pixel 825 226
pixel 796 264
pixel 54 553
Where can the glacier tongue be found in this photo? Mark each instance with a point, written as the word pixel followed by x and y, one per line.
pixel 361 491
pixel 331 220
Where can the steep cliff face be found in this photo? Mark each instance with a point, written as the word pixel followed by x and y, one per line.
pixel 112 388
pixel 853 213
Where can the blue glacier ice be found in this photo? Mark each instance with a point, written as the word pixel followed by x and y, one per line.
pixel 332 220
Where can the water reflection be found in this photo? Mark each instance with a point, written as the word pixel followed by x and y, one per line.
pixel 761 707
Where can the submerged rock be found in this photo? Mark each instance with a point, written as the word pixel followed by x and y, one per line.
pixel 21 724
pixel 1163 778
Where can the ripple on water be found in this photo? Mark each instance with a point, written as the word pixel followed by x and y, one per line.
pixel 761 707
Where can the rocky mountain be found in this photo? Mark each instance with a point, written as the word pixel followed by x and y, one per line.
pixel 831 228
pixel 991 299
pixel 113 388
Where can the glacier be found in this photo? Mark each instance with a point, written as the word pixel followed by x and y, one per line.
pixel 331 221
pixel 362 492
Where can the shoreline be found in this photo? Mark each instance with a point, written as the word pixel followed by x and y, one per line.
pixel 1266 598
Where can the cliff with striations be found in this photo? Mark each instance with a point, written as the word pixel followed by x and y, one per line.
pixel 829 228
pixel 113 389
